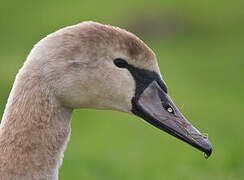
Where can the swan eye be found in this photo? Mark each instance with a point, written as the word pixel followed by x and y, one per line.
pixel 121 63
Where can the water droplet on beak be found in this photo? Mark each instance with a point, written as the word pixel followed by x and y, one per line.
pixel 205 156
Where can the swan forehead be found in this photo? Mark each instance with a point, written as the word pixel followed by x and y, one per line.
pixel 122 44
pixel 95 41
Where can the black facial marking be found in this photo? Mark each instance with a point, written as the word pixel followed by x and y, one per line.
pixel 142 77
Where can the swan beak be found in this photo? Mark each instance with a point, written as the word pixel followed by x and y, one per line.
pixel 156 107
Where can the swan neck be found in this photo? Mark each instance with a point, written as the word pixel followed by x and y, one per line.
pixel 34 131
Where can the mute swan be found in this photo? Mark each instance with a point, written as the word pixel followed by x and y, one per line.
pixel 88 65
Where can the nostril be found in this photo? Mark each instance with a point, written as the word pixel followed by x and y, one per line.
pixel 169 109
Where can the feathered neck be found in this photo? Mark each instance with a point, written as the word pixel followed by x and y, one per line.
pixel 34 131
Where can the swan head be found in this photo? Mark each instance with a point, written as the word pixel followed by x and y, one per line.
pixel 91 65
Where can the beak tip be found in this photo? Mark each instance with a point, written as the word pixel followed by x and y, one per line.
pixel 208 150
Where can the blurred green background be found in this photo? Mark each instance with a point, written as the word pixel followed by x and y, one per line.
pixel 199 45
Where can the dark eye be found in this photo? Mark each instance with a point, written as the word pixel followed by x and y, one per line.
pixel 121 63
pixel 169 109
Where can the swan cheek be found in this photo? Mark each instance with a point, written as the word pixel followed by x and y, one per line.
pixel 116 92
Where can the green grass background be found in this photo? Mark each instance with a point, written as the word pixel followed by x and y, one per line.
pixel 199 46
